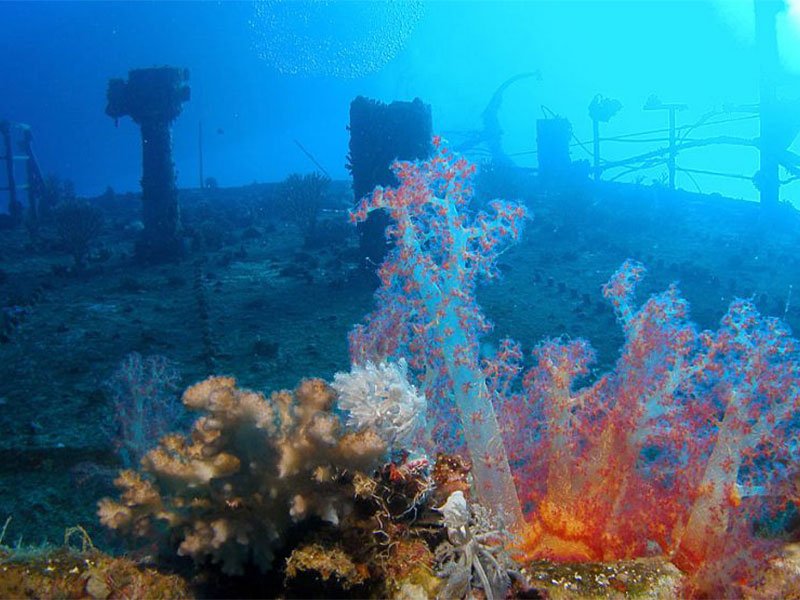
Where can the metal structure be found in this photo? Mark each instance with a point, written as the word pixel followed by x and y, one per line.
pixel 653 103
pixel 601 110
pixel 153 98
pixel 767 179
pixel 21 134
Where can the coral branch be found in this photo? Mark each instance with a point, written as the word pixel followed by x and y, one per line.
pixel 427 311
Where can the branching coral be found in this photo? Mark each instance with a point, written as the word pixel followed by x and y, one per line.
pixel 301 200
pixel 654 456
pixel 251 467
pixel 78 225
pixel 144 395
pixel 427 310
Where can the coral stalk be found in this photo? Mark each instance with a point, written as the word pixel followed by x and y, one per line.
pixel 427 311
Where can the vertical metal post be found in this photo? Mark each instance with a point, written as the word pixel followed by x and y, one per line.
pixel 767 45
pixel 153 98
pixel 13 205
pixel 596 148
pixel 672 149
pixel 601 109
pixel 35 179
pixel 654 103
pixel 200 152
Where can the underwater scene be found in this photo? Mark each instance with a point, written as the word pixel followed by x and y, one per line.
pixel 400 299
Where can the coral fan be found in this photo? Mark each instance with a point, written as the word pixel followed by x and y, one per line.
pixel 251 468
pixel 78 225
pixel 301 200
pixel 144 396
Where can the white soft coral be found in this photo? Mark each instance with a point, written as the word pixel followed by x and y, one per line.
pixel 381 397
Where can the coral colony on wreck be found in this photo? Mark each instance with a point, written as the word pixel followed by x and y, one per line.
pixel 449 460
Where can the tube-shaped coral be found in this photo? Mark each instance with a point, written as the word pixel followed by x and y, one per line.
pixel 427 310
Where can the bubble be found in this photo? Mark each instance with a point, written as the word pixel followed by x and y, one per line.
pixel 331 37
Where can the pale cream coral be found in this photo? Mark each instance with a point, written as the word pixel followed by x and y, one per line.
pixel 327 562
pixel 228 404
pixel 197 396
pixel 113 514
pixel 137 493
pixel 361 449
pixel 251 467
pixel 190 470
pixel 315 395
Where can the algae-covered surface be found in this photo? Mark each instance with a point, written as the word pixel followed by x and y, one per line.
pixel 645 579
pixel 70 574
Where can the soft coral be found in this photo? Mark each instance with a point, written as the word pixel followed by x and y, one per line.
pixel 652 456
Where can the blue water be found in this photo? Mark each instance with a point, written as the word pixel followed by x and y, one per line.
pixel 255 99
